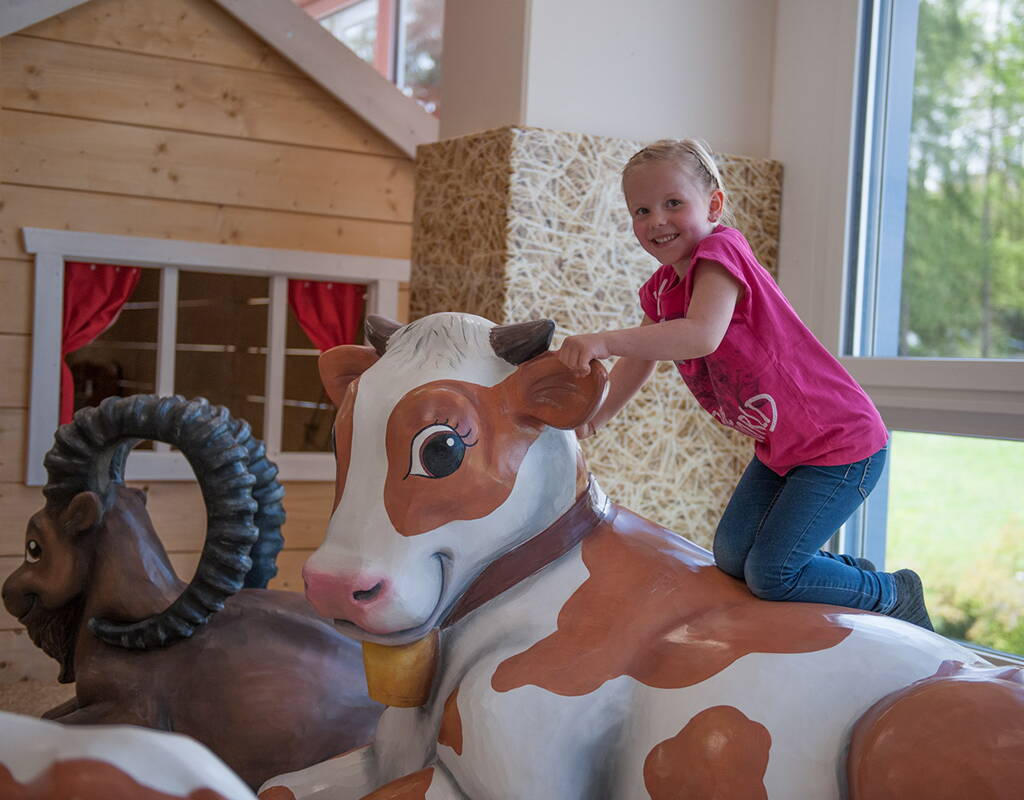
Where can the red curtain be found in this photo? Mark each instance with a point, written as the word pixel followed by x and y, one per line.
pixel 329 313
pixel 93 296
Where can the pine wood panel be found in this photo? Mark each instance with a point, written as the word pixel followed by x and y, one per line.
pixel 289 569
pixel 95 83
pixel 165 219
pixel 15 360
pixel 42 150
pixel 12 444
pixel 178 515
pixel 191 29
pixel 15 295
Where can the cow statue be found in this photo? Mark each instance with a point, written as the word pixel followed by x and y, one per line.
pixel 253 674
pixel 43 760
pixel 534 640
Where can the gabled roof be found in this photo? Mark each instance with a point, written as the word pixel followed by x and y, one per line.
pixel 300 39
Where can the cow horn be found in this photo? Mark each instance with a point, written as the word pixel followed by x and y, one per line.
pixel 237 481
pixel 523 340
pixel 378 330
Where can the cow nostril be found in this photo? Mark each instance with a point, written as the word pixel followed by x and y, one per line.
pixel 363 595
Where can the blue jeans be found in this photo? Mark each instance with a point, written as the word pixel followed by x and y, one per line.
pixel 773 527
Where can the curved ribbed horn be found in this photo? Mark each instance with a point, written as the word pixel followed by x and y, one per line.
pixel 378 330
pixel 89 455
pixel 523 340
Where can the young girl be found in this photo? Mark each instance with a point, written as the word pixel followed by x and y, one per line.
pixel 820 444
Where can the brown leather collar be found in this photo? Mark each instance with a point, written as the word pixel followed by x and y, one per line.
pixel 590 510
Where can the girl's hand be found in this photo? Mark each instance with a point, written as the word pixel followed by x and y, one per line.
pixel 577 352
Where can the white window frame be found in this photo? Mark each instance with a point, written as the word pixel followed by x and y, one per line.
pixel 814 134
pixel 52 248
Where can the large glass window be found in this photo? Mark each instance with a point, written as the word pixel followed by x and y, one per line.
pixel 400 38
pixel 936 301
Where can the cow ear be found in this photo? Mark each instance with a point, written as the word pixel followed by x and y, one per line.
pixel 341 365
pixel 83 512
pixel 556 395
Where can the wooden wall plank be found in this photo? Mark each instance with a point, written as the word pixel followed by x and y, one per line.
pixel 13 427
pixel 192 29
pixel 77 154
pixel 42 150
pixel 99 84
pixel 16 295
pixel 15 366
pixel 26 206
pixel 176 509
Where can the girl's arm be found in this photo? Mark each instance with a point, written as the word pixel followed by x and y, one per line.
pixel 625 379
pixel 696 335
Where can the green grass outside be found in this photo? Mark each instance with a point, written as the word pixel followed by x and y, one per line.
pixel 956 515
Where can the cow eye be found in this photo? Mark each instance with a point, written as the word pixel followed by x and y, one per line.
pixel 33 551
pixel 436 452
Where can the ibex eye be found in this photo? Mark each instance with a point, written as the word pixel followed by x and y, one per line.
pixel 33 551
pixel 437 451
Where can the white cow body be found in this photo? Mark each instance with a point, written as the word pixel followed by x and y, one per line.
pixel 503 719
pixel 49 761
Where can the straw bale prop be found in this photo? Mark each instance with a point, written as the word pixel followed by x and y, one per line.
pixel 535 640
pixel 255 674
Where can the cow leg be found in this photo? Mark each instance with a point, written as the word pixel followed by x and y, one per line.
pixel 65 708
pixel 350 776
pixel 958 734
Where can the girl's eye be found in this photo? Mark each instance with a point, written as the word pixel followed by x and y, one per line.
pixel 33 551
pixel 640 212
pixel 437 451
pixel 673 203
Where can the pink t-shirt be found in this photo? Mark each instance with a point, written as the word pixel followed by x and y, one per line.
pixel 770 378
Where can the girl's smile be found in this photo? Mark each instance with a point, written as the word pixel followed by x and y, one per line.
pixel 671 213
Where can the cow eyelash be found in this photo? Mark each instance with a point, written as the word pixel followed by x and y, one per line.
pixel 455 427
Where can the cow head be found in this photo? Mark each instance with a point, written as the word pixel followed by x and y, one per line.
pixel 449 454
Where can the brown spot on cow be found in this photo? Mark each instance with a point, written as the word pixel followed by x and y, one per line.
pixel 408 787
pixel 924 740
pixel 497 424
pixel 657 609
pixel 720 754
pixel 88 779
pixel 277 793
pixel 451 724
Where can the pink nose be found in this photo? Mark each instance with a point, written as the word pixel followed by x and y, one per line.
pixel 345 595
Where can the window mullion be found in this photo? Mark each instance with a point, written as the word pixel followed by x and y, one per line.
pixel 46 363
pixel 277 318
pixel 166 338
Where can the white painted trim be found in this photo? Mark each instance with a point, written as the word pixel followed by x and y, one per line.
pixel 16 15
pixel 382 299
pixel 139 251
pixel 970 397
pixel 44 403
pixel 52 248
pixel 277 318
pixel 339 71
pixel 166 338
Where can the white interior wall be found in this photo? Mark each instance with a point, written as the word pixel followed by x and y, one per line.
pixel 643 69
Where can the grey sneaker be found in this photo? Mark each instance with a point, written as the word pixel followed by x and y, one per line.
pixel 865 564
pixel 910 599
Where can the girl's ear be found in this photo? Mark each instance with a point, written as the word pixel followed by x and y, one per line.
pixel 550 392
pixel 341 365
pixel 716 205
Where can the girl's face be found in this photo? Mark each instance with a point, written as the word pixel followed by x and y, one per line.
pixel 671 211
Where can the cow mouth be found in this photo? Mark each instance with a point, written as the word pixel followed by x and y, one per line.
pixel 413 634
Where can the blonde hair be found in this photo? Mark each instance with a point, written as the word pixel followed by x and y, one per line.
pixel 692 155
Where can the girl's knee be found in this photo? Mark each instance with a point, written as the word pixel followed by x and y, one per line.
pixel 767 584
pixel 727 559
